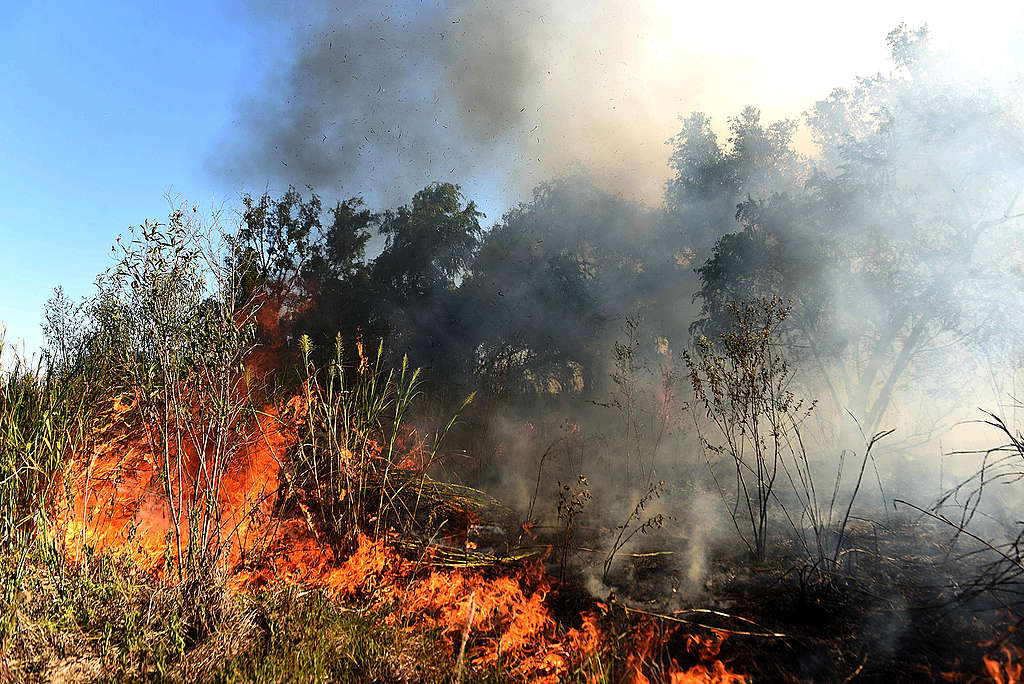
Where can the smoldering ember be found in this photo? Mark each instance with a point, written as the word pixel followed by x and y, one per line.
pixel 754 419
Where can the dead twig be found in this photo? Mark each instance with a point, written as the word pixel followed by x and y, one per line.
pixel 465 635
pixel 765 633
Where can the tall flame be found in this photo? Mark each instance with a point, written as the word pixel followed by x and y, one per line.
pixel 1010 671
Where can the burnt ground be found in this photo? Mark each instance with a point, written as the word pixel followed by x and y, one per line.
pixel 896 607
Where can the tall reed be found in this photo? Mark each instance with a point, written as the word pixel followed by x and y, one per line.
pixel 355 454
pixel 46 412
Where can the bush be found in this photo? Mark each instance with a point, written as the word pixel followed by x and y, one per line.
pixel 169 311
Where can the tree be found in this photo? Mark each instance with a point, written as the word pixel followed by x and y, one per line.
pixel 171 311
pixel 312 266
pixel 895 245
pixel 430 245
pixel 710 180
pixel 310 277
pixel 276 238
pixel 555 278
pixel 336 279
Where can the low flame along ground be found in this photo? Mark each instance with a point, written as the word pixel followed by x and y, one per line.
pixel 117 506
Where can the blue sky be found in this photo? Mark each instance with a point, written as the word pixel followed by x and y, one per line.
pixel 106 107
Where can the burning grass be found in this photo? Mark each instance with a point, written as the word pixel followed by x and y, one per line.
pixel 489 615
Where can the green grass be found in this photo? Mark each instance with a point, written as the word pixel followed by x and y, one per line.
pixel 350 452
pixel 45 417
pixel 115 624
pixel 313 639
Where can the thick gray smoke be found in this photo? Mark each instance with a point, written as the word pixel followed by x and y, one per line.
pixel 387 98
pixel 381 98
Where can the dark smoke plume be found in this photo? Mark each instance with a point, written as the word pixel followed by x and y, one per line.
pixel 394 96
pixel 383 98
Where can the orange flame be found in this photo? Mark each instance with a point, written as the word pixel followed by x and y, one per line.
pixel 118 505
pixel 651 637
pixel 1009 672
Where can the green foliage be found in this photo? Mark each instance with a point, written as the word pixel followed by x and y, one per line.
pixel 710 180
pixel 317 272
pixel 476 308
pixel 551 283
pixel 113 624
pixel 290 251
pixel 313 639
pixel 45 418
pixel 430 243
